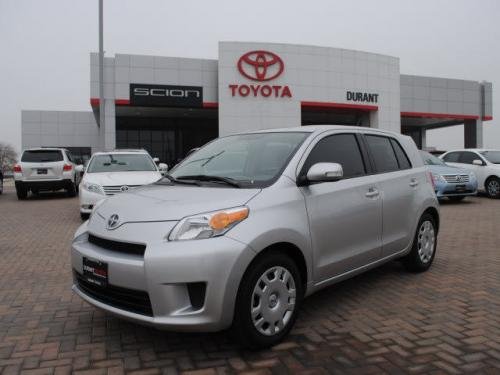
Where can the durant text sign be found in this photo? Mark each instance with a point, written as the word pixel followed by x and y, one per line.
pixel 165 95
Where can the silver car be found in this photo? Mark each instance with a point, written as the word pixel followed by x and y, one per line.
pixel 247 226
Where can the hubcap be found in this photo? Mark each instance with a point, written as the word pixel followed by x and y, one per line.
pixel 426 241
pixel 273 301
pixel 493 187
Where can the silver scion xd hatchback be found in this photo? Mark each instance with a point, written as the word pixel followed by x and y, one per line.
pixel 248 225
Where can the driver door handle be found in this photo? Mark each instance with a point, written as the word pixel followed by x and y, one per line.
pixel 372 193
pixel 413 182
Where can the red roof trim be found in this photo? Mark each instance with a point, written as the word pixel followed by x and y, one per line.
pixel 439 115
pixel 95 102
pixel 332 105
pixel 210 105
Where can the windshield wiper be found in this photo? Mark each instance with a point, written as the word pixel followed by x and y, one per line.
pixel 204 177
pixel 174 180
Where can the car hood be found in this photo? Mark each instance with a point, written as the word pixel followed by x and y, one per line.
pixel 172 202
pixel 122 178
pixel 447 169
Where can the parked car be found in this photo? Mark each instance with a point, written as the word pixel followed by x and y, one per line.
pixel 450 182
pixel 110 173
pixel 46 169
pixel 484 163
pixel 246 227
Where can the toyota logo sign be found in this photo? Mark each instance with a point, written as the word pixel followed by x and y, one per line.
pixel 260 65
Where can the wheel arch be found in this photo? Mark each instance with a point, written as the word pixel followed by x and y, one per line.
pixel 435 215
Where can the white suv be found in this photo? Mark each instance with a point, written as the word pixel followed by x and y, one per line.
pixel 46 169
pixel 109 173
pixel 484 163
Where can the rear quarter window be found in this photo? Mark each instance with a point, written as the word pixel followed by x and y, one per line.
pixel 41 156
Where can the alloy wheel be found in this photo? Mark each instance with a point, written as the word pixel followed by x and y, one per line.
pixel 493 188
pixel 426 241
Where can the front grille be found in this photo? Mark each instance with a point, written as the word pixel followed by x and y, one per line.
pixel 135 301
pixel 112 190
pixel 118 246
pixel 456 178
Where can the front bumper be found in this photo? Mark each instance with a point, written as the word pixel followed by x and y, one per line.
pixel 447 189
pixel 165 273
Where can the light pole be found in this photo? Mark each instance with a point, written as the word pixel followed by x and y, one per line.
pixel 101 69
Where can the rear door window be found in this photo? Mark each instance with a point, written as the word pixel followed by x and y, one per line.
pixel 41 156
pixel 339 148
pixel 403 161
pixel 382 153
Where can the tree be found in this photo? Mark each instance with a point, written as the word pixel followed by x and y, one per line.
pixel 8 156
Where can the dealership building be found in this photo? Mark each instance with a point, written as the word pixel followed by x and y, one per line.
pixel 169 105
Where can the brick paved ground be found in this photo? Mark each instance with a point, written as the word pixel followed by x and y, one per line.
pixel 386 321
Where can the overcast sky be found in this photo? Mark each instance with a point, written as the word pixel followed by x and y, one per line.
pixel 45 45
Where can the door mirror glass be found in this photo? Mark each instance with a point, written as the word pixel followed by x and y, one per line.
pixel 323 172
pixel 477 162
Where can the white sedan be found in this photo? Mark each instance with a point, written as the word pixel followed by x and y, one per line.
pixel 110 173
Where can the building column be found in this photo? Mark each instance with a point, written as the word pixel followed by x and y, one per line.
pixel 473 133
pixel 422 138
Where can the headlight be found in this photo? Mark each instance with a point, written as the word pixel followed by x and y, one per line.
pixel 93 188
pixel 438 178
pixel 208 225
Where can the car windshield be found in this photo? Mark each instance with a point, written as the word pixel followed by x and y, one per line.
pixel 492 156
pixel 430 159
pixel 121 163
pixel 247 159
pixel 41 156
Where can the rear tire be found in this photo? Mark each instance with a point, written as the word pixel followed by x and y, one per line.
pixel 424 245
pixel 84 216
pixel 492 187
pixel 268 300
pixel 71 191
pixel 456 199
pixel 22 193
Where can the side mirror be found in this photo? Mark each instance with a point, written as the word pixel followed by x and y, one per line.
pixel 80 169
pixel 477 162
pixel 163 168
pixel 156 160
pixel 325 172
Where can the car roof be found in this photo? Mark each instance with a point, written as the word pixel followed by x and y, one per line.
pixel 320 128
pixel 45 148
pixel 121 151
pixel 471 149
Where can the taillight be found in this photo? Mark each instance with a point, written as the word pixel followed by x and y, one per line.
pixel 67 167
pixel 430 178
pixel 17 168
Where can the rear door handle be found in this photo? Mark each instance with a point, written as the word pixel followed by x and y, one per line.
pixel 413 182
pixel 372 193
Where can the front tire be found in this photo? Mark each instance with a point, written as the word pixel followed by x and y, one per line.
pixel 493 187
pixel 268 300
pixel 424 245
